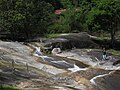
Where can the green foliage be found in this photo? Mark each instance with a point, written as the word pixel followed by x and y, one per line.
pixel 62 24
pixel 7 87
pixel 30 17
pixel 114 52
pixel 52 35
pixel 69 21
pixel 105 16
pixel 25 17
pixel 67 3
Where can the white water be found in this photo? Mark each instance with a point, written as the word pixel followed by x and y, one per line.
pixel 38 53
pixel 76 68
pixel 60 62
pixel 94 78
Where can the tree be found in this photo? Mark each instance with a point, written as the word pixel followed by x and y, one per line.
pixel 25 18
pixel 62 23
pixel 67 4
pixel 105 16
pixel 73 19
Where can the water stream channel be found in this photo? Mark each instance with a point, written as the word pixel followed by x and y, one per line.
pixel 57 63
pixel 73 67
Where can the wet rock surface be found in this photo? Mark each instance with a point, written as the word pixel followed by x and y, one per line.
pixel 99 69
pixel 76 69
pixel 92 57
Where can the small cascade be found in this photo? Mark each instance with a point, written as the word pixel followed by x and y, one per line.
pixel 99 76
pixel 38 51
pixel 76 68
pixel 93 79
pixel 60 64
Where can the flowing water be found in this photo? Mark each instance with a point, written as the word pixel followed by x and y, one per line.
pixel 100 76
pixel 56 62
pixel 94 78
pixel 68 65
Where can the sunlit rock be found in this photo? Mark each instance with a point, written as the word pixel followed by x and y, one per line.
pixel 56 50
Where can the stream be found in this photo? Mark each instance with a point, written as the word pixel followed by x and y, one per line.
pixel 100 76
pixel 56 62
pixel 67 65
pixel 79 69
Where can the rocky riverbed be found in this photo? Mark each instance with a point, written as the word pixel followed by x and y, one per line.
pixel 27 67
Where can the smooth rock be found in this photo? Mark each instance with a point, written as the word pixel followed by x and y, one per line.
pixel 56 50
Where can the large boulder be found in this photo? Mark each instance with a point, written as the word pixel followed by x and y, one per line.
pixel 72 40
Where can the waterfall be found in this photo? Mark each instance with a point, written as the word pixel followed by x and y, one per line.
pixel 38 51
pixel 76 68
pixel 93 79
pixel 58 63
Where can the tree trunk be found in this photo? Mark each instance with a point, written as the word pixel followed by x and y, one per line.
pixel 90 29
pixel 112 37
